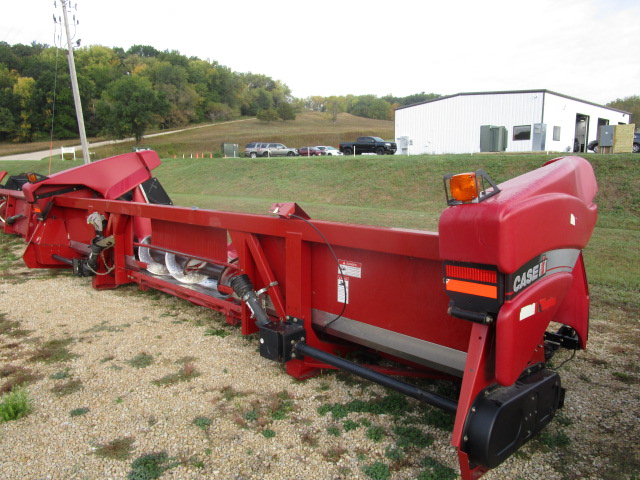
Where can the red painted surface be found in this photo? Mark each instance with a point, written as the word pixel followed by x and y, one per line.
pixel 395 276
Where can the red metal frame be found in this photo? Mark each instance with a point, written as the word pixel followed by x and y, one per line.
pixel 396 282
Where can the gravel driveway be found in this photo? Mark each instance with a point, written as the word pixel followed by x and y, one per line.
pixel 128 384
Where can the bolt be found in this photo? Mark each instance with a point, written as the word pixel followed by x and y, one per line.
pixel 293 342
pixel 473 409
pixel 293 355
pixel 302 339
pixel 466 438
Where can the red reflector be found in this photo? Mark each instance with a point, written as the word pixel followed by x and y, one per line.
pixel 470 273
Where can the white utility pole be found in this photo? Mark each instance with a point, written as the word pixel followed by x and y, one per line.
pixel 74 87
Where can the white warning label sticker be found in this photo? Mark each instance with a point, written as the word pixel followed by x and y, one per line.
pixel 350 269
pixel 343 289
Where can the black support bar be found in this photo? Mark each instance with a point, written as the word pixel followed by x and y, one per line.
pixel 427 397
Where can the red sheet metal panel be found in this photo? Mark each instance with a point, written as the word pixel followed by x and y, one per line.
pixel 548 208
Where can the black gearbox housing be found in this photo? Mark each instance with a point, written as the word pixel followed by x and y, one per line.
pixel 278 338
pixel 502 420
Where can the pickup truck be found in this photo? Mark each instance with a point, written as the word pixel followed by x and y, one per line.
pixel 369 145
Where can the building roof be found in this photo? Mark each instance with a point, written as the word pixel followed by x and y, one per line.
pixel 509 92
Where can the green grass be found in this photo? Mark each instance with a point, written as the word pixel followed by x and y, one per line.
pixel 118 449
pixel 187 373
pixel 202 422
pixel 53 351
pixel 67 388
pixel 11 328
pixel 217 332
pixel 77 412
pixel 14 376
pixel 434 470
pixel 377 471
pixel 141 360
pixel 151 466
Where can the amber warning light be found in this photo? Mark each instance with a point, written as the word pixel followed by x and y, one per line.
pixel 471 187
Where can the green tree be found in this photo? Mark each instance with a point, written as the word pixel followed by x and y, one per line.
pixel 10 106
pixel 267 115
pixel 7 123
pixel 286 111
pixel 24 89
pixel 130 106
pixel 334 106
pixel 629 104
pixel 380 110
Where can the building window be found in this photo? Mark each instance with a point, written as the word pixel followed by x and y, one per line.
pixel 556 133
pixel 522 132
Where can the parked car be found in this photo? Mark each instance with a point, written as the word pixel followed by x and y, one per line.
pixel 369 145
pixel 251 149
pixel 328 150
pixel 275 150
pixel 593 145
pixel 310 151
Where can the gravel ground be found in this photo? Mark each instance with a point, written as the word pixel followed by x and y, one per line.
pixel 156 375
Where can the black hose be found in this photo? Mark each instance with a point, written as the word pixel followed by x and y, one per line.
pixel 68 261
pixel 243 287
pixel 427 397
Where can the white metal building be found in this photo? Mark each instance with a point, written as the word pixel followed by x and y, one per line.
pixel 512 121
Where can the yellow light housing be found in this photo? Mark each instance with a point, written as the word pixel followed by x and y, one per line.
pixel 464 187
pixel 32 177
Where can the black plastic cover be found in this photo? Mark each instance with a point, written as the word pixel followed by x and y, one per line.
pixel 500 422
pixel 155 192
pixel 15 182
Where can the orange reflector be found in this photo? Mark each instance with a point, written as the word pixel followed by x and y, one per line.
pixel 464 187
pixel 489 291
pixel 32 177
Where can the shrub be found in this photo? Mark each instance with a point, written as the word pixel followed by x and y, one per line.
pixel 151 466
pixel 377 471
pixel 202 422
pixel 14 405
pixel 76 412
pixel 375 433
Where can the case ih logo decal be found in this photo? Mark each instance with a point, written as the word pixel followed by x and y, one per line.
pixel 549 263
pixel 530 275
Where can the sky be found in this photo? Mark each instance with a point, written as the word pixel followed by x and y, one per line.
pixel 582 48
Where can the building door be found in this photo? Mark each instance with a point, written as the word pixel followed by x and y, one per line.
pixel 582 129
pixel 539 137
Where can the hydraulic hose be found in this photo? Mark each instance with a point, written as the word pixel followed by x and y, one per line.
pixel 243 287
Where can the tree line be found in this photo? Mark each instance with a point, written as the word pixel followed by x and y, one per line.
pixel 125 93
